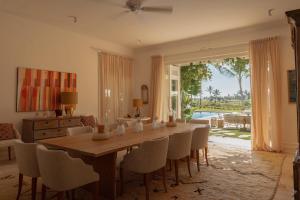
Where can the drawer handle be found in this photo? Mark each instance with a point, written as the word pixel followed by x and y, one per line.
pixel 70 120
pixel 43 133
pixel 46 122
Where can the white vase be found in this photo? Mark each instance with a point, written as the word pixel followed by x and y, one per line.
pixel 120 129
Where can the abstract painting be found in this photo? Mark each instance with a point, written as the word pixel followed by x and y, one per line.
pixel 292 86
pixel 39 90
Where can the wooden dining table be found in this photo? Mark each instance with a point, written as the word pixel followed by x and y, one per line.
pixel 102 154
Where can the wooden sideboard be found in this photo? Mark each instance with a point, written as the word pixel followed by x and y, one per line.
pixel 42 128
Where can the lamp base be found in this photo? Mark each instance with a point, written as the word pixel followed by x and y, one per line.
pixel 69 110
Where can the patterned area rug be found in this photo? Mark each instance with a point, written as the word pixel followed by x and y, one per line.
pixel 234 173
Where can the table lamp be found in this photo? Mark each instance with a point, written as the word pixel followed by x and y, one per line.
pixel 69 100
pixel 137 103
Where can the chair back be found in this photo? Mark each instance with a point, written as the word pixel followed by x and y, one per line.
pixel 179 145
pixel 79 130
pixel 26 158
pixel 61 172
pixel 200 138
pixel 154 154
pixel 199 121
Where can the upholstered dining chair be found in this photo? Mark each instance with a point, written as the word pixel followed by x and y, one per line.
pixel 149 157
pixel 62 173
pixel 8 135
pixel 79 130
pixel 199 141
pixel 27 164
pixel 180 148
pixel 88 120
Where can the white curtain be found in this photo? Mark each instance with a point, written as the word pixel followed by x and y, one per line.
pixel 115 79
pixel 157 87
pixel 265 90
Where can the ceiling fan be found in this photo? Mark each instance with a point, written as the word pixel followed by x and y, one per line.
pixel 137 5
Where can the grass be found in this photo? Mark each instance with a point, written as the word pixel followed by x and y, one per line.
pixel 232 133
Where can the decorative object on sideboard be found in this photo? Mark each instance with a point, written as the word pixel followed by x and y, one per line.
pixel 69 100
pixel 137 103
pixel 39 90
pixel 292 86
pixel 145 94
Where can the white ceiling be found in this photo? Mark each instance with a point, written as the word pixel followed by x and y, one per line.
pixel 105 19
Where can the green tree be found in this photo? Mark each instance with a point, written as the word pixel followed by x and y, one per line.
pixel 235 67
pixel 216 94
pixel 192 76
pixel 210 90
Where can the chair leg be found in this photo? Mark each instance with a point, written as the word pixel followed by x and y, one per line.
pixel 44 191
pixel 121 181
pixel 203 153
pixel 60 195
pixel 198 160
pixel 170 165
pixel 73 194
pixel 176 172
pixel 146 182
pixel 96 190
pixel 33 188
pixel 9 153
pixel 20 185
pixel 188 160
pixel 206 149
pixel 164 178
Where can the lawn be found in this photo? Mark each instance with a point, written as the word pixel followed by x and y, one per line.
pixel 232 133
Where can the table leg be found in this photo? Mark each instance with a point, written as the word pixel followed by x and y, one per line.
pixel 106 167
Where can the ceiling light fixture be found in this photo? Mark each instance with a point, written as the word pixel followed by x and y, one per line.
pixel 270 12
pixel 74 18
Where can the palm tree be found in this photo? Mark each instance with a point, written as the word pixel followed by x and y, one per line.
pixel 235 67
pixel 216 93
pixel 210 90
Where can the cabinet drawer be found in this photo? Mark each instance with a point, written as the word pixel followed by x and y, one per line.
pixel 70 122
pixel 45 124
pixel 44 134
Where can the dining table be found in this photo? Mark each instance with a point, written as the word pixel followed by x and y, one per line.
pixel 102 154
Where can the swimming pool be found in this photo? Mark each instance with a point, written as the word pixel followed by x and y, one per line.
pixel 204 115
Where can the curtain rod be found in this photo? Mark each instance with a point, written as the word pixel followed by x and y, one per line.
pixel 206 49
pixel 110 52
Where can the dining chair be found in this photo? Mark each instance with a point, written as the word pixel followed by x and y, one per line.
pixel 149 157
pixel 27 164
pixel 179 148
pixel 200 141
pixel 62 173
pixel 8 136
pixel 79 130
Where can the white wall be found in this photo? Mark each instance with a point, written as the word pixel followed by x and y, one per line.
pixel 28 43
pixel 219 41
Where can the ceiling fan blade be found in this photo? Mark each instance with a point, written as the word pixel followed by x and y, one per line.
pixel 165 9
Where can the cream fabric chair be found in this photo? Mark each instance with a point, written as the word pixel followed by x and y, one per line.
pixel 27 164
pixel 199 141
pixel 149 157
pixel 179 148
pixel 8 143
pixel 79 130
pixel 62 173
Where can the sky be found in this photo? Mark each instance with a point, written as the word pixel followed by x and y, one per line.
pixel 227 85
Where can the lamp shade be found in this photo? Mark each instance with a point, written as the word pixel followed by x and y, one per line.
pixel 137 103
pixel 69 97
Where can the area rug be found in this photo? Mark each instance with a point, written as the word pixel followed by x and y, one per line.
pixel 233 173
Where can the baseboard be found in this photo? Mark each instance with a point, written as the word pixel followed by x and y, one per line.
pixel 289 147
